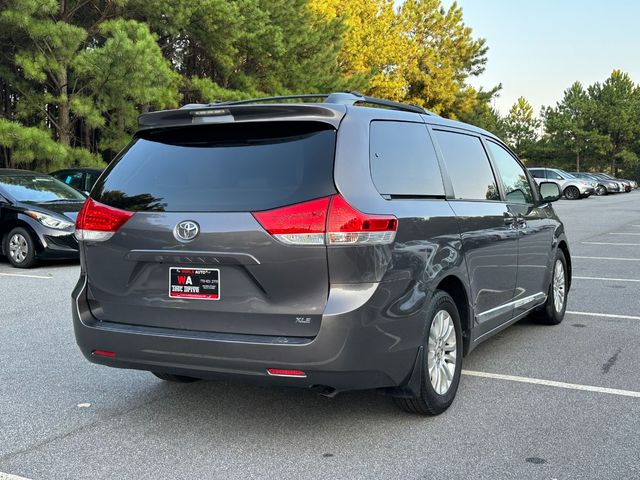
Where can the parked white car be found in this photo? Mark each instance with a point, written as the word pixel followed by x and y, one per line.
pixel 572 188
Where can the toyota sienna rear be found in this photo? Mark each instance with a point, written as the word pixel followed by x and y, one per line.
pixel 322 245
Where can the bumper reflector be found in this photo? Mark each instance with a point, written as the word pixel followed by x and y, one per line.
pixel 278 372
pixel 103 353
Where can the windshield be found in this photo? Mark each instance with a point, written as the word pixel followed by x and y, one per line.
pixel 31 188
pixel 566 175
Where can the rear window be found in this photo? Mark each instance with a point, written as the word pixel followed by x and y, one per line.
pixel 403 160
pixel 222 168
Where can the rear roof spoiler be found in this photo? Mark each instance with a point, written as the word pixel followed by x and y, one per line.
pixel 330 110
pixel 220 113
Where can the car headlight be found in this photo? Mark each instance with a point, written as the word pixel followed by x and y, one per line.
pixel 49 220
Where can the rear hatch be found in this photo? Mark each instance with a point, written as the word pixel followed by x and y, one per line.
pixel 186 250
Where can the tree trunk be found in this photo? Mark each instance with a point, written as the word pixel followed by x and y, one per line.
pixel 578 161
pixel 86 136
pixel 613 166
pixel 6 158
pixel 64 111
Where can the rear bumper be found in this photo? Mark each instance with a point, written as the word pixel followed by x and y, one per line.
pixel 353 350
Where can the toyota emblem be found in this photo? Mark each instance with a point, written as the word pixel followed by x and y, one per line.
pixel 186 231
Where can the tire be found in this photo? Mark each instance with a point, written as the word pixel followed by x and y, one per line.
pixel 429 401
pixel 601 190
pixel 549 314
pixel 572 193
pixel 20 248
pixel 170 377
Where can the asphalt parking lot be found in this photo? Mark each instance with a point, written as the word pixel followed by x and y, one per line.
pixel 535 402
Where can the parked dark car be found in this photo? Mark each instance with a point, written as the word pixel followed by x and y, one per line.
pixel 81 179
pixel 37 215
pixel 627 184
pixel 327 245
pixel 604 186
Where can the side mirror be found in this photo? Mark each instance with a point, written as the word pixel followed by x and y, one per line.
pixel 549 191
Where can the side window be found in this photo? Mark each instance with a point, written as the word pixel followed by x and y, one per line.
pixel 555 175
pixel 536 173
pixel 403 160
pixel 468 166
pixel 516 183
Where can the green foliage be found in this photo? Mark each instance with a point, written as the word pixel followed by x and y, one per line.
pixel 521 127
pixel 597 128
pixel 483 115
pixel 420 53
pixel 81 71
pixel 33 148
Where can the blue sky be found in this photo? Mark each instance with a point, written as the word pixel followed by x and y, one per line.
pixel 538 48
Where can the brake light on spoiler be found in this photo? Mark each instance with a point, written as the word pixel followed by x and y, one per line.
pixel 97 222
pixel 327 221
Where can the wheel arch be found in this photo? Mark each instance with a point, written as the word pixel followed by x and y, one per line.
pixel 455 287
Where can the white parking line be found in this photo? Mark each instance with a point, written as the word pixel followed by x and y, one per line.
pixel 551 383
pixel 23 275
pixel 608 258
pixel 8 476
pixel 624 233
pixel 607 279
pixel 609 243
pixel 605 315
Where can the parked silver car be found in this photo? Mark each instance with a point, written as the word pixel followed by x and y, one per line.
pixel 572 188
pixel 604 186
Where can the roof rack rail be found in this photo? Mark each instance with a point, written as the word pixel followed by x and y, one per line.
pixel 352 98
pixel 344 98
pixel 273 99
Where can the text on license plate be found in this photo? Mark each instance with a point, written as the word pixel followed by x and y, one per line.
pixel 197 283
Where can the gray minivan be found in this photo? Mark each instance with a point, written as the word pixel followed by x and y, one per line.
pixel 356 243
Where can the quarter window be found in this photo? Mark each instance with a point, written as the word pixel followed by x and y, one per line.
pixel 514 179
pixel 403 160
pixel 468 166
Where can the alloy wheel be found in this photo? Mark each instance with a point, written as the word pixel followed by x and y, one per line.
pixel 18 248
pixel 442 352
pixel 572 193
pixel 558 286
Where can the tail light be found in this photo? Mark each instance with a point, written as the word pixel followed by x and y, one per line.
pixel 97 222
pixel 327 221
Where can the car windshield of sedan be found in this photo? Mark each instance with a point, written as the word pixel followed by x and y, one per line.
pixel 32 188
pixel 566 175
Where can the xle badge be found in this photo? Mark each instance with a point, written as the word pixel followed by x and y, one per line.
pixel 303 320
